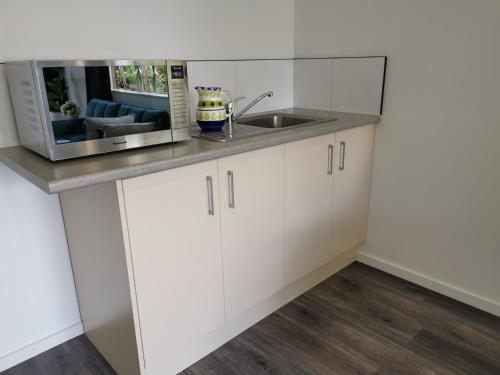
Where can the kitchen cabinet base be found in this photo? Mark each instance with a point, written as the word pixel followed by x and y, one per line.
pixel 104 277
pixel 243 321
pixel 102 272
pixel 162 280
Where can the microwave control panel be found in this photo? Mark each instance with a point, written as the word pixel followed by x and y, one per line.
pixel 178 94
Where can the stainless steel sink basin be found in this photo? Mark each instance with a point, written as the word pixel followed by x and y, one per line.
pixel 275 120
pixel 258 124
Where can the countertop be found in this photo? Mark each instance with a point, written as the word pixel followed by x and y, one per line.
pixel 55 177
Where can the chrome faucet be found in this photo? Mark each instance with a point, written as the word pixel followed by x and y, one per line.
pixel 235 117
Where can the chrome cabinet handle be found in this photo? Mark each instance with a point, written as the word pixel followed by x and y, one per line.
pixel 329 170
pixel 342 156
pixel 230 181
pixel 210 189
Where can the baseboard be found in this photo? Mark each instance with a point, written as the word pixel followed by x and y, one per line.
pixel 234 327
pixel 39 346
pixel 462 295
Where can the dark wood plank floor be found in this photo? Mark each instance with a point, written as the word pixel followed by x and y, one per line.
pixel 359 321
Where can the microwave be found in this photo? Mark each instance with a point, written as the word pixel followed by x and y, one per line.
pixel 69 109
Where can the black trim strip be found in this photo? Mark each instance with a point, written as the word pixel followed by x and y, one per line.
pixel 383 87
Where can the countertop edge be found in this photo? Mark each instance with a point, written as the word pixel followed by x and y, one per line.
pixel 258 142
pixel 286 136
pixel 26 174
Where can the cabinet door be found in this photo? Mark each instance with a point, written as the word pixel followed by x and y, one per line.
pixel 251 196
pixel 174 232
pixel 351 187
pixel 308 205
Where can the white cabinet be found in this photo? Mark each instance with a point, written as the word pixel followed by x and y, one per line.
pixel 163 261
pixel 174 232
pixel 251 199
pixel 351 191
pixel 308 205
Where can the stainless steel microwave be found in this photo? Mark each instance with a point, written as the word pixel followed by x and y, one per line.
pixel 68 109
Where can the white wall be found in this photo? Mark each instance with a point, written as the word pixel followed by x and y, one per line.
pixel 37 293
pixel 187 29
pixel 36 288
pixel 434 212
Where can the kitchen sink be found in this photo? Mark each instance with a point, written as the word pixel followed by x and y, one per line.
pixel 258 124
pixel 275 120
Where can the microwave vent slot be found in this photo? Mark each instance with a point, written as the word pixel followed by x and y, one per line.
pixel 22 88
pixel 30 107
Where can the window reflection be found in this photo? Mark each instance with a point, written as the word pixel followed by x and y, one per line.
pixel 87 103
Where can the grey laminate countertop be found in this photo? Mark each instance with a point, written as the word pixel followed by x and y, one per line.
pixel 54 177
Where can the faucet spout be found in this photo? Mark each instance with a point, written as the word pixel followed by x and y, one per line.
pixel 252 104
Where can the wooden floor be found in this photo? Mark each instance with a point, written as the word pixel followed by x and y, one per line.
pixel 359 321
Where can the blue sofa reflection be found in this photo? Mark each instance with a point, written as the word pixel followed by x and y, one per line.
pixel 74 130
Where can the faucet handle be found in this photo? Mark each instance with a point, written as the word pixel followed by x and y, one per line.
pixel 229 105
